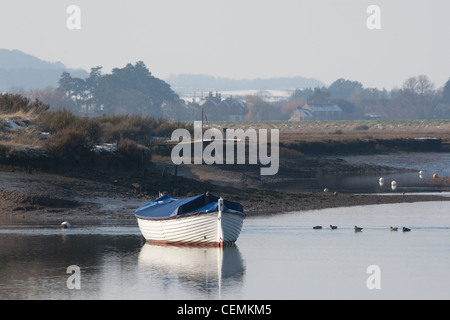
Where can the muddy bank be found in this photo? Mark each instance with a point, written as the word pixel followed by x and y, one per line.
pixel 368 146
pixel 48 198
pixel 83 197
pixel 302 201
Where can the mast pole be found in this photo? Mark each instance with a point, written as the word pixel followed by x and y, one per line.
pixel 219 223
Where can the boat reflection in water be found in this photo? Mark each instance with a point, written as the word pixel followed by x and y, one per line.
pixel 209 269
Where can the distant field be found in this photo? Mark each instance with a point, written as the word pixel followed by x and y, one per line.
pixel 349 130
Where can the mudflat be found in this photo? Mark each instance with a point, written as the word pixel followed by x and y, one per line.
pixel 44 198
pixel 99 194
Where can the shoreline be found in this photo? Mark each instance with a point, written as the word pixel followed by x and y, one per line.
pixel 50 199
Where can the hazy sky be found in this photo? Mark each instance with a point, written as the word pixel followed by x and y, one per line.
pixel 322 39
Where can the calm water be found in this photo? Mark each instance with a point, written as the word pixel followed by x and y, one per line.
pixel 428 163
pixel 279 257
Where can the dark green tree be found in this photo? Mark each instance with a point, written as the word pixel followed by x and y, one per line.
pixel 133 90
pixel 92 83
pixel 94 77
pixel 345 89
pixel 446 92
pixel 75 89
pixel 320 95
pixel 302 93
pixel 66 84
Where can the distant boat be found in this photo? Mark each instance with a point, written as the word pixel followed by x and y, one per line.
pixel 200 220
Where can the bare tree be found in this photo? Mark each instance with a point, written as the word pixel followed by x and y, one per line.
pixel 424 85
pixel 419 85
pixel 417 97
pixel 410 85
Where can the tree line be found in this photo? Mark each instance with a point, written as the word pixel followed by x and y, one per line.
pixel 417 98
pixel 134 90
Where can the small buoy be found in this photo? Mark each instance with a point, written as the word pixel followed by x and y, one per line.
pixel 393 185
pixel 65 225
pixel 435 176
pixel 381 181
pixel 325 190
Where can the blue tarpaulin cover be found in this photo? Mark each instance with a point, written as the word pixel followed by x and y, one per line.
pixel 166 207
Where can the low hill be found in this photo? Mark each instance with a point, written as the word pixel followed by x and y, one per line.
pixel 27 72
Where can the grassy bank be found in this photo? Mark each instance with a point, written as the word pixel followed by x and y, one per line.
pixel 32 136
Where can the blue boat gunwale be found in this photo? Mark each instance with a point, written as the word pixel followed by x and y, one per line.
pixel 165 207
pixel 192 214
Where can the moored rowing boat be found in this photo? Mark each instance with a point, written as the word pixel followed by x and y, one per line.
pixel 200 220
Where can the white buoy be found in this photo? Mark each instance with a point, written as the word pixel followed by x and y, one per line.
pixel 381 181
pixel 65 225
pixel 393 185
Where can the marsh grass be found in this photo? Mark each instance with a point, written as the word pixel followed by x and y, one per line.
pixel 63 136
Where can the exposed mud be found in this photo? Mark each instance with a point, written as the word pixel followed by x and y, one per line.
pixel 110 197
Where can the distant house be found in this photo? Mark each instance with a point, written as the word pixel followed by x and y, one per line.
pixel 218 109
pixel 329 111
pixel 209 105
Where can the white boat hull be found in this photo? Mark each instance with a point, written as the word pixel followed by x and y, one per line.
pixel 209 229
